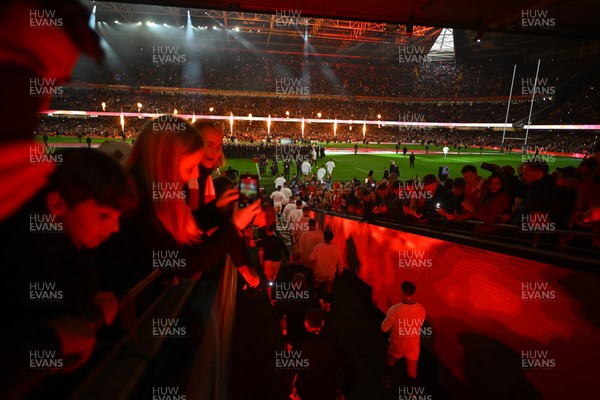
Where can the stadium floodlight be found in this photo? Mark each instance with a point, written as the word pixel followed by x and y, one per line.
pixel 116 22
pixel 165 24
pixel 139 23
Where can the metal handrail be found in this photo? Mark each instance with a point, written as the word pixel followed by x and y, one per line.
pixel 441 226
pixel 129 320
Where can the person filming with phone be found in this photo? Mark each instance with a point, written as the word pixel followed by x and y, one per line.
pixel 163 222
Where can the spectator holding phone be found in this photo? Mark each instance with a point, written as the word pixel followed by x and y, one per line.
pixel 494 204
pixel 163 222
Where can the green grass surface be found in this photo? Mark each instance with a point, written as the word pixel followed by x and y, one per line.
pixel 71 139
pixel 350 165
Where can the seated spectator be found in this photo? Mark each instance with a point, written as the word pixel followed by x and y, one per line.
pixel 539 188
pixel 564 197
pixel 476 186
pixel 381 209
pixel 334 199
pixel 586 168
pixel 433 198
pixel 587 212
pixel 490 208
pixel 394 202
pixel 355 202
pixel 326 203
pixel 458 190
pixel 369 204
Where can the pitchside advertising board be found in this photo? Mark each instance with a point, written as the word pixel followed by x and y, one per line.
pixel 511 324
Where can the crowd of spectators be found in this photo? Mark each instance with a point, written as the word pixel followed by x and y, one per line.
pixel 531 200
pixel 91 99
pixel 82 230
pixel 251 139
pixel 382 78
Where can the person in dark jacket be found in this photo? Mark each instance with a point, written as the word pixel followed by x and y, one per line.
pixel 54 295
pixel 273 246
pixel 539 190
pixel 433 197
pixel 327 363
pixel 292 300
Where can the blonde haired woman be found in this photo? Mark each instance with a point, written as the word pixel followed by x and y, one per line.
pixel 164 233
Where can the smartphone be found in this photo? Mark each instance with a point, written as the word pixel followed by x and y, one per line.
pixel 249 189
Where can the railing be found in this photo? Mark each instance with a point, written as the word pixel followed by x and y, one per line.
pixel 501 237
pixel 118 371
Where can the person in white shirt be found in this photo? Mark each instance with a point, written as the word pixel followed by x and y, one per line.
pixel 321 173
pixel 445 150
pixel 287 192
pixel 330 165
pixel 294 218
pixel 291 205
pixel 327 265
pixel 302 224
pixel 403 321
pixel 306 168
pixel 314 156
pixel 278 200
pixel 309 240
pixel 279 181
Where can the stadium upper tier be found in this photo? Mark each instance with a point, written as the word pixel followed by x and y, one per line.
pixel 292 75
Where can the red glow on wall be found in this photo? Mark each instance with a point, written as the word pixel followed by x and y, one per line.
pixel 510 304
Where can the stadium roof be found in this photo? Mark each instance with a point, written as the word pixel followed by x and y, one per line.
pixel 376 29
pixel 575 18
